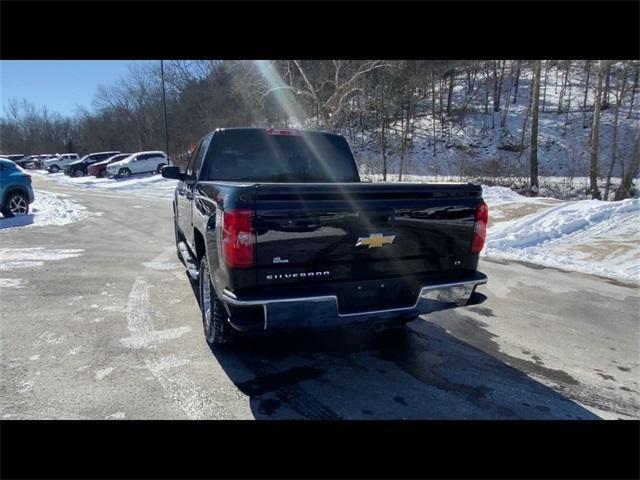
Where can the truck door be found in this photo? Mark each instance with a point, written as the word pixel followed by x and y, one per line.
pixel 184 192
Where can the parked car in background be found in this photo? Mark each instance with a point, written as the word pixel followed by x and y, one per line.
pixel 141 162
pixel 58 162
pixel 25 161
pixel 80 167
pixel 100 169
pixel 15 189
pixel 14 157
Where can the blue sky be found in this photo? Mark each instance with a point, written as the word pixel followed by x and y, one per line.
pixel 58 84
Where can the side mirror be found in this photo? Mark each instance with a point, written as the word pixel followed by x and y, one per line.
pixel 173 172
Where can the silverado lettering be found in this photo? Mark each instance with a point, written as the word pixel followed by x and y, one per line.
pixel 298 275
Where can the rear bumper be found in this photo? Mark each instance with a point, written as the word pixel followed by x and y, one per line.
pixel 322 311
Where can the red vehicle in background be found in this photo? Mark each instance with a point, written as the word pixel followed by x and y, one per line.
pixel 100 169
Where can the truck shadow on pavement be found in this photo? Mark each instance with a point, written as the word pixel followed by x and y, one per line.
pixel 419 371
pixel 416 372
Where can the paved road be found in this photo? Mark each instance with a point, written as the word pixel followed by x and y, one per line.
pixel 103 323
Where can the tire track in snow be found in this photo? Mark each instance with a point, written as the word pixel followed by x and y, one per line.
pixel 139 321
pixel 193 400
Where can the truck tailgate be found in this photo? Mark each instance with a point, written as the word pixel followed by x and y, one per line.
pixel 308 233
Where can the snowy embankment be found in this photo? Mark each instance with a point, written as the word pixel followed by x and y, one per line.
pixel 588 236
pixel 47 209
pixel 152 185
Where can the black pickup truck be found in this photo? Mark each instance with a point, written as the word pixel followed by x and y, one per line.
pixel 279 232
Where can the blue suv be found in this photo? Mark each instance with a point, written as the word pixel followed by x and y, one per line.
pixel 15 189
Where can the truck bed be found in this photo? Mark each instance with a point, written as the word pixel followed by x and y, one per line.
pixel 307 235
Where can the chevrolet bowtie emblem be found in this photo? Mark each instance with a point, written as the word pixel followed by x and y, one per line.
pixel 375 240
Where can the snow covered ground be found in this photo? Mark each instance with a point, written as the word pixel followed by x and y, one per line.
pixel 47 209
pixel 153 185
pixel 17 258
pixel 588 236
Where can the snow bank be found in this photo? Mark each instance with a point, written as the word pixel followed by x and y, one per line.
pixel 153 185
pixel 47 209
pixel 589 236
pixel 500 195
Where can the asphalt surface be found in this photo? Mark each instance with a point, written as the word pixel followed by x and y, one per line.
pixel 105 324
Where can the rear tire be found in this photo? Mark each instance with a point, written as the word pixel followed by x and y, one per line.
pixel 215 319
pixel 54 168
pixel 16 203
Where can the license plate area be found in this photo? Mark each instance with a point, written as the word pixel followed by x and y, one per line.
pixel 376 295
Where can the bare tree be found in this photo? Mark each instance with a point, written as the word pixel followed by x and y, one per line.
pixel 624 190
pixel 619 96
pixel 533 158
pixel 568 109
pixel 634 88
pixel 544 88
pixel 328 91
pixel 595 136
pixel 517 82
pixel 587 68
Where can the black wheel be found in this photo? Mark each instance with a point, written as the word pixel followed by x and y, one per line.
pixel 214 316
pixel 78 172
pixel 16 203
pixel 54 168
pixel 124 173
pixel 159 168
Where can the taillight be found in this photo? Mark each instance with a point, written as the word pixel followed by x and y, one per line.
pixel 237 238
pixel 480 227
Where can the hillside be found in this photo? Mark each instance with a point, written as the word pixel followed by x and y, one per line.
pixel 470 147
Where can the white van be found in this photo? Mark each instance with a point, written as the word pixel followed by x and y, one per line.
pixel 141 162
pixel 54 165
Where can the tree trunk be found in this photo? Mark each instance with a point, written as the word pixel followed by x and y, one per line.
pixel 624 190
pixel 450 95
pixel 604 103
pixel 526 116
pixel 433 111
pixel 544 90
pixel 566 117
pixel 384 152
pixel 586 92
pixel 405 135
pixel 563 89
pixel 486 94
pixel 496 95
pixel 505 114
pixel 517 82
pixel 595 136
pixel 614 140
pixel 633 89
pixel 533 159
